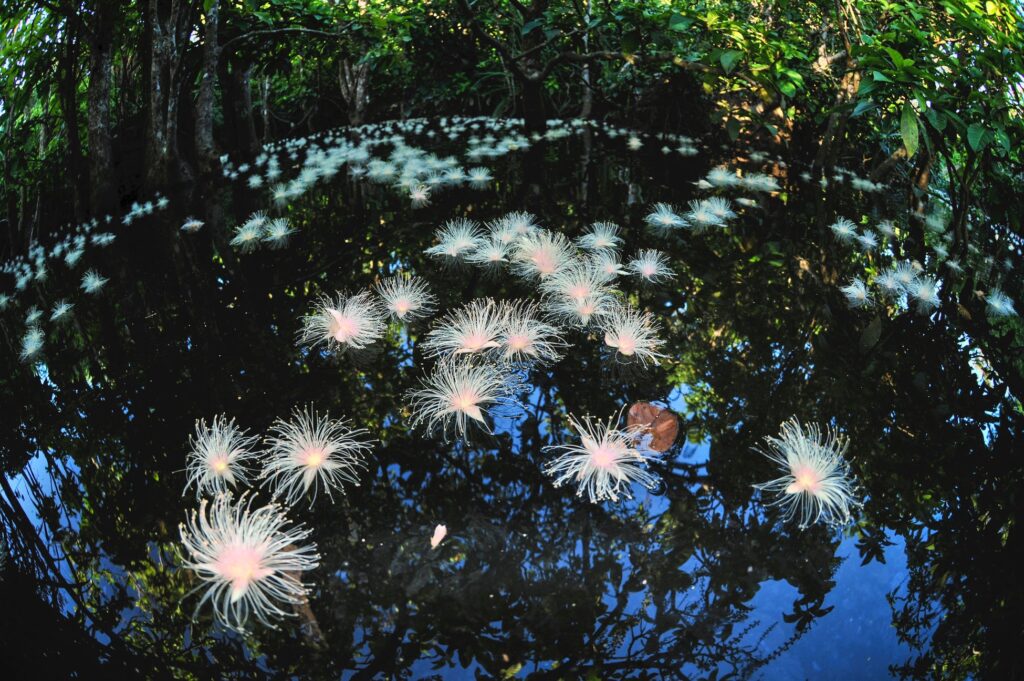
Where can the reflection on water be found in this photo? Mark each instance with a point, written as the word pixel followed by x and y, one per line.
pixel 693 578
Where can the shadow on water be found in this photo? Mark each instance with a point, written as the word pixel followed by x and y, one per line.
pixel 695 579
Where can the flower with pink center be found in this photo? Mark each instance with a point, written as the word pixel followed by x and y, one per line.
pixel 220 458
pixel 457 393
pixel 407 298
pixel 601 236
pixel 632 334
pixel 344 322
pixel 605 463
pixel 248 561
pixel 456 239
pixel 471 329
pixel 525 338
pixel 816 483
pixel 542 253
pixel 651 265
pixel 313 451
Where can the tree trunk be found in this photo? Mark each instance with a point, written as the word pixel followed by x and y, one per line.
pixel 205 147
pixel 101 153
pixel 67 90
pixel 241 85
pixel 352 80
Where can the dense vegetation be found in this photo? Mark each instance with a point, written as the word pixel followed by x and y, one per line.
pixel 103 104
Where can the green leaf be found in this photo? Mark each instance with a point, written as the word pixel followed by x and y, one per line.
pixel 729 59
pixel 908 129
pixel 733 128
pixel 677 22
pixel 530 25
pixel 976 136
pixel 881 77
pixel 936 118
pixel 1003 139
pixel 862 106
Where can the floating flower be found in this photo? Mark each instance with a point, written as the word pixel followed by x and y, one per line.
pixel 248 561
pixel 471 329
pixel 605 463
pixel 344 322
pixel 700 216
pixel 541 253
pixel 632 333
pixel 844 230
pixel 93 282
pixel 313 451
pixel 192 225
pixel 220 458
pixel 277 232
pixel 457 392
pixel 816 484
pixel 419 195
pixel 999 304
pixel 601 236
pixel 925 290
pixel 856 293
pixel 456 238
pixel 407 298
pixel 31 343
pixel 664 217
pixel 651 265
pixel 524 337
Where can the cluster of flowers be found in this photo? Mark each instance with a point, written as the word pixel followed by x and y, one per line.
pixel 906 282
pixel 258 229
pixel 250 560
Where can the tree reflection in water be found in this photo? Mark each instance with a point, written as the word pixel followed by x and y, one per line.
pixel 530 579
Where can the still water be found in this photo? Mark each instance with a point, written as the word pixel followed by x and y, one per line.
pixel 696 578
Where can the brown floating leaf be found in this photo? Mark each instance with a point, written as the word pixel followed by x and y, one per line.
pixel 662 424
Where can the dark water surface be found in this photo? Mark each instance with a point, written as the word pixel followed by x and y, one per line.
pixel 696 579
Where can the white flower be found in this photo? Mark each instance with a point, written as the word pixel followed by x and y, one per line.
pixel 605 463
pixel 474 328
pixel 632 333
pixel 458 392
pixel 665 218
pixel 999 304
pixel 92 282
pixel 345 322
pixel 844 230
pixel 221 456
pixel 31 343
pixel 925 290
pixel 601 236
pixel 248 560
pixel 542 253
pixel 816 484
pixel 651 265
pixel 313 451
pixel 407 297
pixel 856 293
pixel 456 238
pixel 524 337
pixel 277 232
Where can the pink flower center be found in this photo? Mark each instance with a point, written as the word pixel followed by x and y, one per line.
pixel 241 565
pixel 579 291
pixel 544 262
pixel 626 345
pixel 402 306
pixel 219 463
pixel 604 456
pixel 474 342
pixel 805 479
pixel 342 327
pixel 312 457
pixel 518 342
